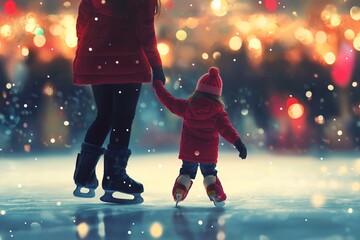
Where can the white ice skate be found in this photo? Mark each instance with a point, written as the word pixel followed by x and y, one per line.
pixel 216 202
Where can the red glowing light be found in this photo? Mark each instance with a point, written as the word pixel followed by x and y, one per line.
pixel 291 101
pixel 169 5
pixel 10 7
pixel 271 5
pixel 344 66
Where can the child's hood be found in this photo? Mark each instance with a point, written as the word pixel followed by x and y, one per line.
pixel 204 108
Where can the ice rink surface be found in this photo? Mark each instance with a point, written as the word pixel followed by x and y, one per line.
pixel 269 197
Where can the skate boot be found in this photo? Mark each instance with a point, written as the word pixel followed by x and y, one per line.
pixel 85 174
pixel 214 190
pixel 116 179
pixel 181 188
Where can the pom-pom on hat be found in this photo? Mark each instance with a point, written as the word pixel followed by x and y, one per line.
pixel 210 82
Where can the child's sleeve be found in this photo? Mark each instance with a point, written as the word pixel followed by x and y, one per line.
pixel 175 105
pixel 84 14
pixel 225 128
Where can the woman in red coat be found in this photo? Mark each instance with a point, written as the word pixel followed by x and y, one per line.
pixel 116 53
pixel 204 119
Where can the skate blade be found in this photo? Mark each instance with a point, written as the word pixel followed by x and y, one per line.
pixel 216 203
pixel 108 197
pixel 77 192
pixel 178 197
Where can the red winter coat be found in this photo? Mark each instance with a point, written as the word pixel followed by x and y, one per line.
pixel 204 119
pixel 115 49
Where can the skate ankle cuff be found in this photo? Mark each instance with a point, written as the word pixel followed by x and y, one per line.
pixel 123 151
pixel 210 179
pixel 184 180
pixel 88 147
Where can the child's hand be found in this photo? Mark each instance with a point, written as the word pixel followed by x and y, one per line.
pixel 240 146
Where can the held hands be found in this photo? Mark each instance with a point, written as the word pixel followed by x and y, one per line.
pixel 158 74
pixel 240 146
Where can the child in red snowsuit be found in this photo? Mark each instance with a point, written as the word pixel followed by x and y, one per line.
pixel 204 119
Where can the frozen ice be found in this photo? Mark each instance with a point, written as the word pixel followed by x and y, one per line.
pixel 269 197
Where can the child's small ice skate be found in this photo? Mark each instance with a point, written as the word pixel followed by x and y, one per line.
pixel 214 190
pixel 181 188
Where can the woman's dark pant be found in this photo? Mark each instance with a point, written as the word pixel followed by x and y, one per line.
pixel 190 168
pixel 116 107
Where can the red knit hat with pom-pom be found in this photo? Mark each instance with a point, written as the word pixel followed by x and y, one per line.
pixel 210 82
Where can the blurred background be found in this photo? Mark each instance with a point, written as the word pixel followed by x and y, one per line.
pixel 291 73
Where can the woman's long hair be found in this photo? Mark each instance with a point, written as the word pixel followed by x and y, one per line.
pixel 120 6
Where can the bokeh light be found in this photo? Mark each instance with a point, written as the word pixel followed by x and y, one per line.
pixel 318 200
pixel 219 7
pixel 355 186
pixel 156 230
pixel 355 13
pixel 320 119
pixel 25 51
pixel 181 35
pixel 321 37
pixel 216 55
pixel 296 111
pixel 357 166
pixel 5 31
pixel 71 39
pixel 344 66
pixel 235 43
pixel 308 94
pixel 271 5
pixel 330 58
pixel 255 44
pixel 356 43
pixel 82 230
pixel 39 40
pixel 349 34
pixel 304 35
pixel 10 7
pixel 163 48
pixel 291 101
pixel 205 56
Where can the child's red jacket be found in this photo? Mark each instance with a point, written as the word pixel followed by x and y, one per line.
pixel 114 48
pixel 204 120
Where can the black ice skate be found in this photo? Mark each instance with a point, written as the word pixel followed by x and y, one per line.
pixel 84 175
pixel 116 179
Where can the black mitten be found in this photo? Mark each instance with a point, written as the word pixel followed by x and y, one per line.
pixel 158 74
pixel 240 146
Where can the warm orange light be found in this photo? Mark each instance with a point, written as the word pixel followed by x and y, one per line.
pixel 163 48
pixel 296 111
pixel 235 43
pixel 318 200
pixel 39 40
